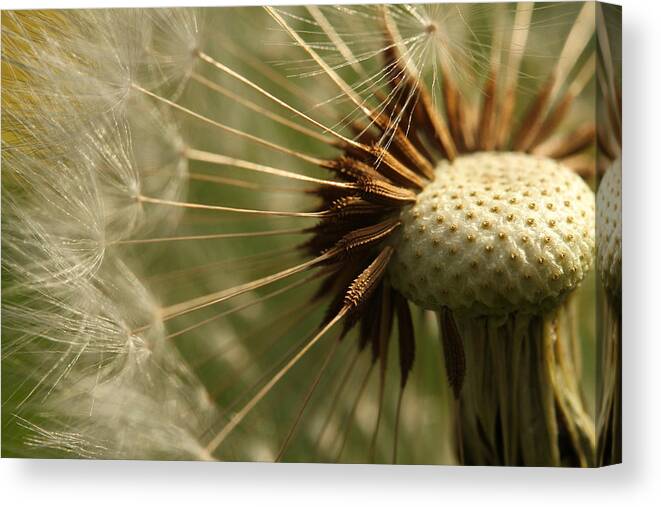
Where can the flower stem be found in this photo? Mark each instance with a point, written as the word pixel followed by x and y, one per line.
pixel 521 403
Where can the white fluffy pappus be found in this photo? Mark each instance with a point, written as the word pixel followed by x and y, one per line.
pixel 82 341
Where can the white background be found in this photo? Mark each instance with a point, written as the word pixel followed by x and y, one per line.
pixel 25 482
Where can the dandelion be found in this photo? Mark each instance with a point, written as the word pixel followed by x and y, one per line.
pixel 609 240
pixel 213 256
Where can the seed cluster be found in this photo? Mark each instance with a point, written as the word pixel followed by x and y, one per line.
pixel 495 233
pixel 609 228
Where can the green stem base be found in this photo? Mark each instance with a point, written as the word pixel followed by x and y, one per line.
pixel 520 402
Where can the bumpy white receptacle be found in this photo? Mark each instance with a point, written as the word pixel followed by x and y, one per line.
pixel 496 233
pixel 609 228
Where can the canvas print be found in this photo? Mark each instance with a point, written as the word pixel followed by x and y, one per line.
pixel 342 234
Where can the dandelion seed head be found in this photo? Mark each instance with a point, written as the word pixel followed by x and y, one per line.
pixel 156 304
pixel 145 409
pixel 476 252
pixel 609 228
pixel 78 150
